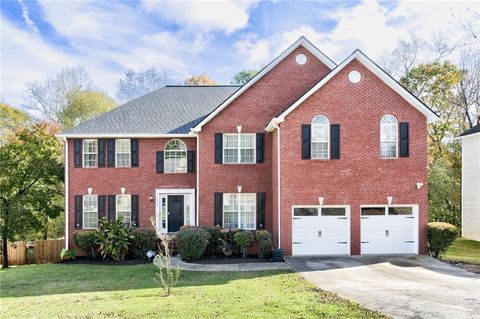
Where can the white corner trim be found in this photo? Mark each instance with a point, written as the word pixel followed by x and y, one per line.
pixel 65 184
pixel 302 41
pixel 188 135
pixel 362 58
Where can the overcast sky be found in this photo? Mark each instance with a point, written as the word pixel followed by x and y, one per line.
pixel 38 38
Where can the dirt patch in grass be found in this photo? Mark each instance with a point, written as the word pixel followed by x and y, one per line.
pixel 468 267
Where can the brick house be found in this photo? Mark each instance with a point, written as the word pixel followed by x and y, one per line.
pixel 332 159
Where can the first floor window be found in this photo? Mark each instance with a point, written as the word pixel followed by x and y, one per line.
pixel 90 211
pixel 122 152
pixel 124 208
pixel 239 210
pixel 239 148
pixel 90 153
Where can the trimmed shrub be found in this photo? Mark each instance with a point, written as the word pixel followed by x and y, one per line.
pixel 264 240
pixel 144 239
pixel 87 242
pixel 227 243
pixel 191 242
pixel 440 236
pixel 244 239
pixel 214 242
pixel 115 238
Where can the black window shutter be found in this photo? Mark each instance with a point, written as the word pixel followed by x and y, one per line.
pixel 218 148
pixel 404 143
pixel 306 141
pixel 101 153
pixel 111 207
pixel 77 152
pixel 260 147
pixel 135 210
pixel 134 152
pixel 159 162
pixel 78 211
pixel 219 209
pixel 101 209
pixel 260 210
pixel 111 153
pixel 335 141
pixel 190 161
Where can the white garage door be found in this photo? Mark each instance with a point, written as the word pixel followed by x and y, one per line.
pixel 389 229
pixel 321 230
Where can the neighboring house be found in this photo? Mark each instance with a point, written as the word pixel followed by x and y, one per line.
pixel 471 183
pixel 332 159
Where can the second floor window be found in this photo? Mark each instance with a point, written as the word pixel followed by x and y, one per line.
pixel 239 148
pixel 90 211
pixel 90 156
pixel 175 157
pixel 388 136
pixel 124 208
pixel 320 137
pixel 122 152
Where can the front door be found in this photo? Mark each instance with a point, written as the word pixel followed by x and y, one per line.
pixel 175 213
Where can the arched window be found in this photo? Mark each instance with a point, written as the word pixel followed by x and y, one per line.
pixel 388 136
pixel 320 137
pixel 175 157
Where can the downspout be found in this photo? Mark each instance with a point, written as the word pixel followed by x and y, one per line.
pixel 197 192
pixel 277 127
pixel 65 184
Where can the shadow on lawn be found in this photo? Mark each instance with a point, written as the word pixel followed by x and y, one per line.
pixel 50 279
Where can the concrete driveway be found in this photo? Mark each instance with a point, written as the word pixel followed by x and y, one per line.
pixel 407 286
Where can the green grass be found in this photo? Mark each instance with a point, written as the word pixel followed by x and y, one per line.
pixel 128 291
pixel 464 250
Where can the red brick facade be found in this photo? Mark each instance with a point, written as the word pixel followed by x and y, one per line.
pixel 358 177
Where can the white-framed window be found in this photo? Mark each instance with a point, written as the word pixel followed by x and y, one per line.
pixel 320 137
pixel 124 208
pixel 90 211
pixel 90 156
pixel 388 136
pixel 239 148
pixel 239 210
pixel 122 152
pixel 175 154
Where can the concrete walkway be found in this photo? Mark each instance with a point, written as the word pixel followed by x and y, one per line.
pixel 408 286
pixel 177 262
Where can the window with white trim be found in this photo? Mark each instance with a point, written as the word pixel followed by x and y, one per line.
pixel 122 152
pixel 239 148
pixel 239 210
pixel 175 157
pixel 388 136
pixel 90 156
pixel 320 137
pixel 90 211
pixel 124 208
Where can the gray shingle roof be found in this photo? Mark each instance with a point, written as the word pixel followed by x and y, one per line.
pixel 168 110
pixel 473 130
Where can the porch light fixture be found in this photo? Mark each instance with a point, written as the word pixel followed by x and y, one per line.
pixel 89 190
pixel 389 200
pixel 122 189
pixel 239 188
pixel 320 200
pixel 419 185
pixel 239 129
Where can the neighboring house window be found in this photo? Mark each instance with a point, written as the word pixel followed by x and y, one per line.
pixel 388 136
pixel 239 148
pixel 320 137
pixel 90 153
pixel 90 211
pixel 239 210
pixel 175 157
pixel 122 152
pixel 124 208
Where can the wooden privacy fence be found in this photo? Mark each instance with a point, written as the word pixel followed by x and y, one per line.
pixel 46 251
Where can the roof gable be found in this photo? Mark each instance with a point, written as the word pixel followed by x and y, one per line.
pixel 472 131
pixel 376 70
pixel 302 41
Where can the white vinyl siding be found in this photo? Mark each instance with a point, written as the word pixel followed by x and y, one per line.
pixel 90 211
pixel 124 208
pixel 175 157
pixel 471 187
pixel 239 210
pixel 122 152
pixel 320 137
pixel 388 137
pixel 90 156
pixel 239 148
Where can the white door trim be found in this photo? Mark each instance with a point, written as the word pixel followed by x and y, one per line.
pixel 163 193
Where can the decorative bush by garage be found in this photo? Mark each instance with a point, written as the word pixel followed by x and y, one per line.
pixel 440 236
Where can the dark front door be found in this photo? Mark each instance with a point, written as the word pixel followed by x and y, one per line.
pixel 175 213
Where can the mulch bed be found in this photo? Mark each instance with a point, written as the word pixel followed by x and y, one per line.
pixel 91 261
pixel 468 267
pixel 222 260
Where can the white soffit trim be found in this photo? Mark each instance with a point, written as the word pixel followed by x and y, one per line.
pixel 302 41
pixel 189 135
pixel 375 69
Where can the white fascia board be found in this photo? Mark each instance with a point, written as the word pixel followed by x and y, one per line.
pixel 273 124
pixel 431 116
pixel 464 136
pixel 189 135
pixel 300 42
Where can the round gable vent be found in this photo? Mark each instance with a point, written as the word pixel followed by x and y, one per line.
pixel 354 76
pixel 301 59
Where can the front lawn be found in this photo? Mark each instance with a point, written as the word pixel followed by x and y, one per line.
pixel 463 250
pixel 128 291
